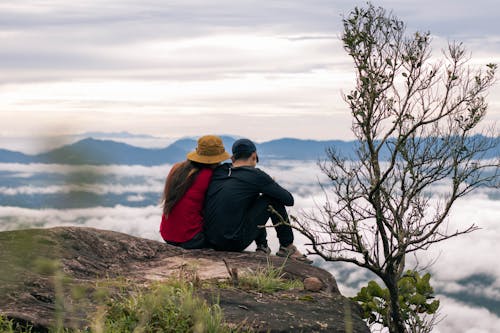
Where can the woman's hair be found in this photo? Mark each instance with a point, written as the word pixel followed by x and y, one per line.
pixel 178 182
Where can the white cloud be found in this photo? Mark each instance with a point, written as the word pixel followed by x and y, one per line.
pixel 159 171
pixel 136 198
pixel 153 181
pixel 142 222
pixel 455 259
pixel 100 189
pixel 459 317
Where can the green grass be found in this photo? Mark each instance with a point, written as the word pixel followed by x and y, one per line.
pixel 268 280
pixel 166 307
pixel 8 326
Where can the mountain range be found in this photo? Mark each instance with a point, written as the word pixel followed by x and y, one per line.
pixel 104 152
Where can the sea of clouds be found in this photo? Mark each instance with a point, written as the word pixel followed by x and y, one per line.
pixel 465 273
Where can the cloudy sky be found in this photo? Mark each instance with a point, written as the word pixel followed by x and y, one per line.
pixel 262 69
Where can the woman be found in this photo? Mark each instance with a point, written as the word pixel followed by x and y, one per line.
pixel 184 194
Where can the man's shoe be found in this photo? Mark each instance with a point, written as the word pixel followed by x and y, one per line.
pixel 263 248
pixel 291 251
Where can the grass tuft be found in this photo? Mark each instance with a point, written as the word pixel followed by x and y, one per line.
pixel 268 280
pixel 8 326
pixel 163 307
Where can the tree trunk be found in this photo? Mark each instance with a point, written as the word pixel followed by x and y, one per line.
pixel 396 323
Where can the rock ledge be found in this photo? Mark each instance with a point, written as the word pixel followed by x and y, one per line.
pixel 86 256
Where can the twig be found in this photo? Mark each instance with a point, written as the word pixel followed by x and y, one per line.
pixel 233 273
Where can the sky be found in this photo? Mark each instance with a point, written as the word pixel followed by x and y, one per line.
pixel 261 69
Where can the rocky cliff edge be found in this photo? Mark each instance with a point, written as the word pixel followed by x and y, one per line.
pixel 87 258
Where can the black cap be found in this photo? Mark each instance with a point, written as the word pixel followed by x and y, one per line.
pixel 243 147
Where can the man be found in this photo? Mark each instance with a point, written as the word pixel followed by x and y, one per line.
pixel 237 206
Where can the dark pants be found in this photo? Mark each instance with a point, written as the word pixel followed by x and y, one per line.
pixel 197 242
pixel 253 227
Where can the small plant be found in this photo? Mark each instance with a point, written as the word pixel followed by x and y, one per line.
pixel 8 326
pixel 415 300
pixel 268 280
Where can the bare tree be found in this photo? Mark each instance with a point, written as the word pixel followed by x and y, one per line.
pixel 415 119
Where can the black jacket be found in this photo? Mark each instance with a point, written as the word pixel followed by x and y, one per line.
pixel 231 193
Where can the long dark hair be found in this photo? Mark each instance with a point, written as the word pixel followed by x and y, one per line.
pixel 179 180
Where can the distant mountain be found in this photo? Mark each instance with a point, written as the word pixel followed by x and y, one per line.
pixel 110 152
pixel 104 152
pixel 9 156
pixel 296 149
pixel 286 148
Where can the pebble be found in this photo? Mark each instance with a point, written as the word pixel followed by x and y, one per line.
pixel 313 284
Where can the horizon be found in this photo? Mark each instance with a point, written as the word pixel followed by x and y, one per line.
pixel 51 142
pixel 30 145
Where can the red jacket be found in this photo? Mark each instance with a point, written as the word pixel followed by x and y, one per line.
pixel 186 217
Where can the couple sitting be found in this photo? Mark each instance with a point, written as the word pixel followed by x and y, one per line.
pixel 225 207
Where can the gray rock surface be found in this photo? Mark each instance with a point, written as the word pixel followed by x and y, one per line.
pixel 31 282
